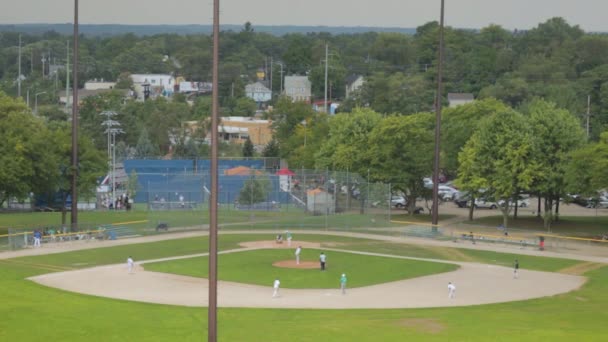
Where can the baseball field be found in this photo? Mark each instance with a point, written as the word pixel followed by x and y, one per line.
pixel 397 290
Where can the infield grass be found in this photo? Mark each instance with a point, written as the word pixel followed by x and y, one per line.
pixel 255 267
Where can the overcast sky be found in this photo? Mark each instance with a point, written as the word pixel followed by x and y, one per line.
pixel 521 14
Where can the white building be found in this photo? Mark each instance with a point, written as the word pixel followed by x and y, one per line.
pixel 298 88
pixel 353 83
pixel 458 99
pixel 98 84
pixel 258 92
pixel 158 84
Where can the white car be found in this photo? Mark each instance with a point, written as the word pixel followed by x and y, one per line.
pixel 482 203
pixel 447 192
pixel 522 203
pixel 398 202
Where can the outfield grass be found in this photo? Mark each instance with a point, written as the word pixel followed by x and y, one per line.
pixel 31 312
pixel 362 270
pixel 579 226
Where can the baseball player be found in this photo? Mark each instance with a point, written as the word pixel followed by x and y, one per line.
pixel 516 269
pixel 130 264
pixel 343 281
pixel 37 238
pixel 276 285
pixel 288 235
pixel 451 290
pixel 322 259
pixel 298 251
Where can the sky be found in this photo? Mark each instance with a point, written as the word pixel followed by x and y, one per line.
pixel 511 14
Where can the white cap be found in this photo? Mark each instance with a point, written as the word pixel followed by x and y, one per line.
pixel 344 274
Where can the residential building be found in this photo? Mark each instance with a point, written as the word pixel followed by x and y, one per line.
pixel 155 84
pixel 84 93
pixel 298 88
pixel 353 83
pixel 98 84
pixel 457 99
pixel 258 92
pixel 237 129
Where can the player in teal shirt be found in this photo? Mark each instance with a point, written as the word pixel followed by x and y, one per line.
pixel 343 283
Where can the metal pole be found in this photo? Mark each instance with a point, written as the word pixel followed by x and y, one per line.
pixel 114 168
pixel 74 211
pixel 326 64
pixel 19 73
pixel 438 121
pixel 212 310
pixel 588 113
pixel 281 79
pixel 67 77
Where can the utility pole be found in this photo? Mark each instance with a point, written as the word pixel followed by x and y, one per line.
pixel 588 113
pixel 213 198
pixel 74 211
pixel 326 68
pixel 19 73
pixel 67 78
pixel 435 209
pixel 271 64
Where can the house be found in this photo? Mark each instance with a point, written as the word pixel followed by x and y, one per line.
pixel 298 88
pixel 258 92
pixel 457 99
pixel 353 83
pixel 84 93
pixel 236 129
pixel 98 84
pixel 152 85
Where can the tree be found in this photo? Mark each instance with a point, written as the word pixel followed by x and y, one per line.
pixel 248 150
pixel 254 190
pixel 586 172
pixel 271 150
pixel 19 145
pixel 348 137
pixel 500 158
pixel 144 146
pixel 244 107
pixel 459 124
pixel 557 134
pixel 400 152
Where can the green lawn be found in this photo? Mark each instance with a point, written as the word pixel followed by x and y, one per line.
pixel 35 313
pixel 255 267
pixel 579 226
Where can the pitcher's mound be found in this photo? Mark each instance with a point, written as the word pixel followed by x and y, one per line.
pixel 292 264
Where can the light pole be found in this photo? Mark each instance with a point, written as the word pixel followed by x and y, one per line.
pixel 36 101
pixel 113 132
pixel 435 217
pixel 109 123
pixel 305 132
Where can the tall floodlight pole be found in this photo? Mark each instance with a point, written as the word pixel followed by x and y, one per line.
pixel 326 67
pixel 67 78
pixel 74 209
pixel 438 122
pixel 19 73
pixel 212 311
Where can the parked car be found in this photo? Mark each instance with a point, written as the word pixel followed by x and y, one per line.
pixel 522 203
pixel 599 202
pixel 398 202
pixel 447 193
pixel 484 203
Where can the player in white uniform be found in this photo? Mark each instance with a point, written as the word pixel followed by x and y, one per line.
pixel 288 235
pixel 130 264
pixel 451 290
pixel 276 285
pixel 298 251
